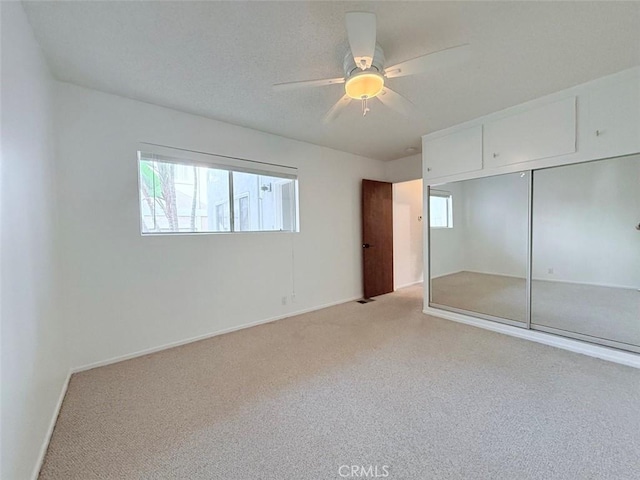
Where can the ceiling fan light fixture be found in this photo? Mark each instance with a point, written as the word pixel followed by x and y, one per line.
pixel 364 85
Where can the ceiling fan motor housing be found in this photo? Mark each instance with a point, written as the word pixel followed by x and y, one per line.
pixel 362 84
pixel 377 65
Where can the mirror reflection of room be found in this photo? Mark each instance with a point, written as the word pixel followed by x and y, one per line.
pixel 586 250
pixel 478 236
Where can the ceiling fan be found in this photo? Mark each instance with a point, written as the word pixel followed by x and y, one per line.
pixel 365 73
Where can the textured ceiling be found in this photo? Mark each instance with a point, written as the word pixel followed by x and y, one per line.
pixel 219 59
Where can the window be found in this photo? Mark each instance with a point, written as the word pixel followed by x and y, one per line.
pixel 440 209
pixel 178 196
pixel 263 202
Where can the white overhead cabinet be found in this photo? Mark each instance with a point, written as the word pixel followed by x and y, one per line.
pixel 614 118
pixel 595 120
pixel 457 152
pixel 542 132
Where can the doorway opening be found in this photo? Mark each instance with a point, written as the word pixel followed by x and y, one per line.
pixel 408 233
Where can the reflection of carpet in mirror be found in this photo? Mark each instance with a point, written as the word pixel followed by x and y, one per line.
pixel 497 295
pixel 603 312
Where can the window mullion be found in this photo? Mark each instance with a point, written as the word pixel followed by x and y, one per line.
pixel 155 195
pixel 232 215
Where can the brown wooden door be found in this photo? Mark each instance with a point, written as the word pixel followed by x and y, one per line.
pixel 377 237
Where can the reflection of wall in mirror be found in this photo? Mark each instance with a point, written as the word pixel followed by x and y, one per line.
pixel 489 233
pixel 447 244
pixel 584 223
pixel 495 225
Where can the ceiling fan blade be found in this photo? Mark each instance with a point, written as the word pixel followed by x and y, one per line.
pixel 337 109
pixel 307 83
pixel 396 102
pixel 361 30
pixel 431 61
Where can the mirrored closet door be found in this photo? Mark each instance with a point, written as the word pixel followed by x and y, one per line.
pixel 478 233
pixel 555 249
pixel 586 251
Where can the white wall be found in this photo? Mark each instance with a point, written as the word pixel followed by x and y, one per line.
pixel 447 244
pixel 123 293
pixel 584 219
pixel 34 362
pixel 407 233
pixel 404 169
pixel 494 219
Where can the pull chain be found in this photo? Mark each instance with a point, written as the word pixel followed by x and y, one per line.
pixel 365 108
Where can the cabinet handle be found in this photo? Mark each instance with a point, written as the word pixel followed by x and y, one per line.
pixel 428 169
pixel 496 155
pixel 599 132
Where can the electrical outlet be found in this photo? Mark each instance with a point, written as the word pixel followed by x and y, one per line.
pixel 284 300
pixel 550 271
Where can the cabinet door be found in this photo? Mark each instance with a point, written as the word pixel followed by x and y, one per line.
pixel 542 132
pixel 614 119
pixel 458 152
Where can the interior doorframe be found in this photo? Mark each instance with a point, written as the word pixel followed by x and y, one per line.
pixel 411 229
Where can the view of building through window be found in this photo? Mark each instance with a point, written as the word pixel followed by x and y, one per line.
pixel 184 198
pixel 440 209
pixel 263 202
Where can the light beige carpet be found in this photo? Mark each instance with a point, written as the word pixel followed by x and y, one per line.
pixel 497 295
pixel 601 312
pixel 374 384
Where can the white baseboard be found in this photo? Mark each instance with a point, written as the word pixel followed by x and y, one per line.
pixel 544 279
pixel 592 284
pixel 592 350
pixel 65 386
pixel 446 274
pixel 405 285
pixel 52 424
pixel 497 274
pixel 215 333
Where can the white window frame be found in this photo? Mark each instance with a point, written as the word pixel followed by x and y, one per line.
pixel 449 197
pixel 278 187
pixel 149 151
